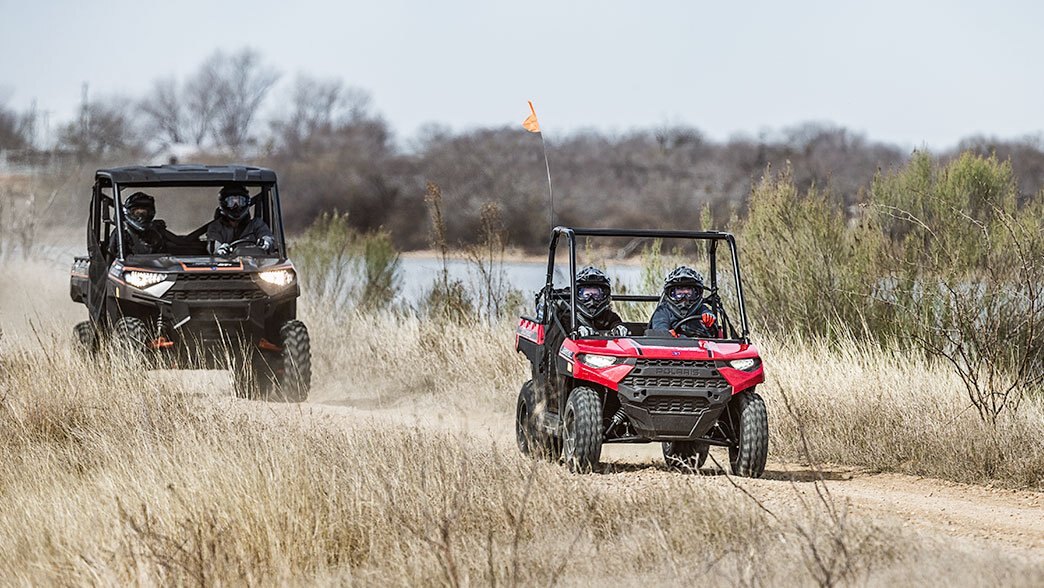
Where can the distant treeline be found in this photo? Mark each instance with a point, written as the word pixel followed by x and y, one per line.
pixel 335 152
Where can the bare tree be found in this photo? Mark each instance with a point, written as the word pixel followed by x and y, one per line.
pixel 241 86
pixel 319 109
pixel 201 100
pixel 105 128
pixel 163 113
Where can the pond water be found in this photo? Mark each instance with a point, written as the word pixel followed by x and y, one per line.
pixel 528 277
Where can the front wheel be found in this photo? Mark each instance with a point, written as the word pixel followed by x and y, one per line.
pixel 749 418
pixel 296 379
pixel 582 430
pixel 130 336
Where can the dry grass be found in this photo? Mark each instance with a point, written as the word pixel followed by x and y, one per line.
pixel 110 475
pixel 865 405
pixel 113 476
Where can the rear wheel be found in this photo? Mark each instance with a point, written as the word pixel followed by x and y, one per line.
pixel 685 455
pixel 750 427
pixel 86 338
pixel 582 430
pixel 532 440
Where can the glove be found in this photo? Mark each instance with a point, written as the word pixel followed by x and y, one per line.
pixel 223 249
pixel 620 331
pixel 266 243
pixel 585 331
pixel 708 320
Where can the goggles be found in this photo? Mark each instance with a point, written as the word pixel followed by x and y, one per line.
pixel 591 293
pixel 685 293
pixel 141 214
pixel 236 201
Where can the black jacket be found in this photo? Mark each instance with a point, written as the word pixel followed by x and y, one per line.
pixel 664 318
pixel 604 322
pixel 222 231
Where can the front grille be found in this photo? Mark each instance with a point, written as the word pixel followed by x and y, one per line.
pixel 214 287
pixel 672 382
pixel 677 374
pixel 676 404
pixel 215 277
pixel 213 295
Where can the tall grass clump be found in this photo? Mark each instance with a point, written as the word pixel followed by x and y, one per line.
pixel 963 273
pixel 944 260
pixel 338 265
pixel 447 299
pixel 809 272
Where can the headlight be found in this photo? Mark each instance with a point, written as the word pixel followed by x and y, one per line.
pixel 143 279
pixel 743 364
pixel 597 361
pixel 279 277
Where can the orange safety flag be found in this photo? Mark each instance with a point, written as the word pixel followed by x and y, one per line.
pixel 531 123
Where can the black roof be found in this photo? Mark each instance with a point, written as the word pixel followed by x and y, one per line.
pixel 187 175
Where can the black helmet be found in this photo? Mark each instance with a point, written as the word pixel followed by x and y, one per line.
pixel 683 289
pixel 138 211
pixel 234 202
pixel 592 292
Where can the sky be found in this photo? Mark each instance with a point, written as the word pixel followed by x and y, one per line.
pixel 907 72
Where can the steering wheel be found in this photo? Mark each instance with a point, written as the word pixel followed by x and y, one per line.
pixel 239 242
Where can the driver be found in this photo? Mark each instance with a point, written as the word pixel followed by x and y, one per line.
pixel 142 234
pixel 232 222
pixel 683 300
pixel 593 306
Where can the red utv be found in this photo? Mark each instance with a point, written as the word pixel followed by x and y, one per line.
pixel 651 386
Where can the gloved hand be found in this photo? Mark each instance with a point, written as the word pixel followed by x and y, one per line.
pixel 708 319
pixel 620 331
pixel 222 249
pixel 585 331
pixel 266 243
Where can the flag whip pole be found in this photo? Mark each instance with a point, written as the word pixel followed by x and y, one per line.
pixel 531 125
pixel 550 190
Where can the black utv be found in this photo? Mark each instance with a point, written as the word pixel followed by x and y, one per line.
pixel 181 302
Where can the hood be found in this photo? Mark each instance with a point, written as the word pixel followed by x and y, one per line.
pixel 671 348
pixel 202 263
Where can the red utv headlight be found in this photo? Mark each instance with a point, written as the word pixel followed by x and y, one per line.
pixel 745 365
pixel 597 361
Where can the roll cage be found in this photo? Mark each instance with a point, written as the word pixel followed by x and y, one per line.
pixel 266 205
pixel 713 238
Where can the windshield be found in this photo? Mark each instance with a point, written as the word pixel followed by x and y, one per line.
pixel 188 220
pixel 637 268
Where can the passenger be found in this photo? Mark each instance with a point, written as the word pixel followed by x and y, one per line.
pixel 682 309
pixel 232 222
pixel 593 305
pixel 142 235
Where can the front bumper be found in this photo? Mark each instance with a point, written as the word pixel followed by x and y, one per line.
pixel 672 400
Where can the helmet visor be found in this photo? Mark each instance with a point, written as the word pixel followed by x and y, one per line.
pixel 685 294
pixel 141 214
pixel 592 293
